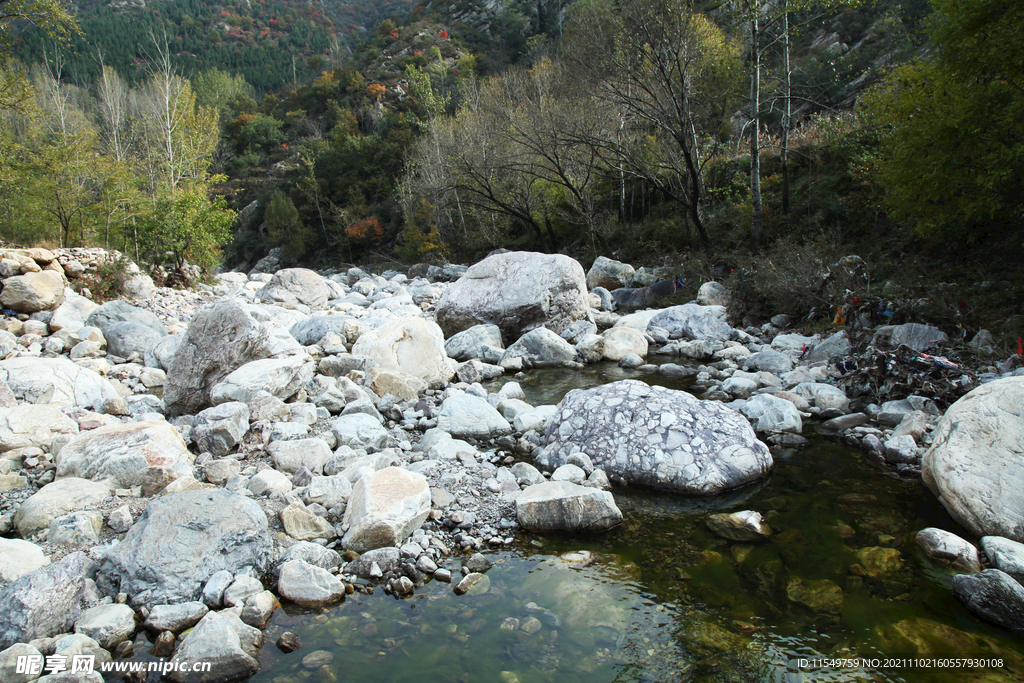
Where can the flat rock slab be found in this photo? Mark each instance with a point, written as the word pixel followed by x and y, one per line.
pixel 554 506
pixel 656 437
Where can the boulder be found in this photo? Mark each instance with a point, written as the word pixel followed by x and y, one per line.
pixel 554 506
pixel 540 347
pixel 181 540
pixel 384 508
pixel 673 441
pixel 31 292
pixel 25 426
pixel 291 456
pixel 994 596
pixel 619 342
pixel 281 377
pixel 768 360
pixel 713 294
pixel 303 525
pixel 221 639
pixel 55 380
pixel 175 618
pixel 609 274
pixel 518 292
pixel 410 346
pixel 327 491
pixel 56 499
pixel 830 400
pixel 18 557
pixel 976 462
pixel 771 414
pixel 691 321
pixel 125 339
pixel 917 336
pixel 44 603
pixel 311 330
pixel 73 313
pixel 119 454
pixel 118 311
pixel 293 286
pixel 1005 555
pixel 831 349
pixel 480 342
pixel 462 415
pixel 12 667
pixel 108 625
pixel 76 528
pixel 220 428
pixel 311 553
pixel 948 549
pixel 308 585
pixel 221 338
pixel 359 430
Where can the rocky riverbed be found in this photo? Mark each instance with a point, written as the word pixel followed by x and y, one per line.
pixel 181 464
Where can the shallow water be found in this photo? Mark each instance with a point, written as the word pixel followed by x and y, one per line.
pixel 661 599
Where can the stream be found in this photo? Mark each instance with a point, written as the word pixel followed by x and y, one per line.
pixel 661 599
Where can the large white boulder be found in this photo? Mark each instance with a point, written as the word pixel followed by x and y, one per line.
pixel 464 415
pixel 610 274
pixel 73 313
pixel 976 462
pixel 384 508
pixel 231 647
pixel 180 541
pixel 55 499
pixel 293 286
pixel 772 414
pixel 221 338
pixel 619 342
pixel 18 557
pixel 55 380
pixel 518 292
pixel 28 425
pixel 281 377
pixel 119 454
pixel 31 292
pixel 410 346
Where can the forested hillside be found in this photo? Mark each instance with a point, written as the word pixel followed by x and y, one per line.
pixel 745 132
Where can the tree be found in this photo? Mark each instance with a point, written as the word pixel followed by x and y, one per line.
pixel 190 225
pixel 50 16
pixel 283 224
pixel 670 76
pixel 953 156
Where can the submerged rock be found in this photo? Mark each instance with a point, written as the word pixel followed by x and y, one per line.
pixel 994 596
pixel 656 437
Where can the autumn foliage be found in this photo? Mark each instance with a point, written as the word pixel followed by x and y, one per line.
pixel 375 90
pixel 368 229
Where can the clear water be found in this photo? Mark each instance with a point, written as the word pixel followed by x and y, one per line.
pixel 661 599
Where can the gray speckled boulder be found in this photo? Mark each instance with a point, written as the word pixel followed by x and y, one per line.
pixel 181 541
pixel 657 437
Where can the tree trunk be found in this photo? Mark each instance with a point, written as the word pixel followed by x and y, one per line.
pixel 787 106
pixel 755 133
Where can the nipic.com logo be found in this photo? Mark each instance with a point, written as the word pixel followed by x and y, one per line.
pixel 35 665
